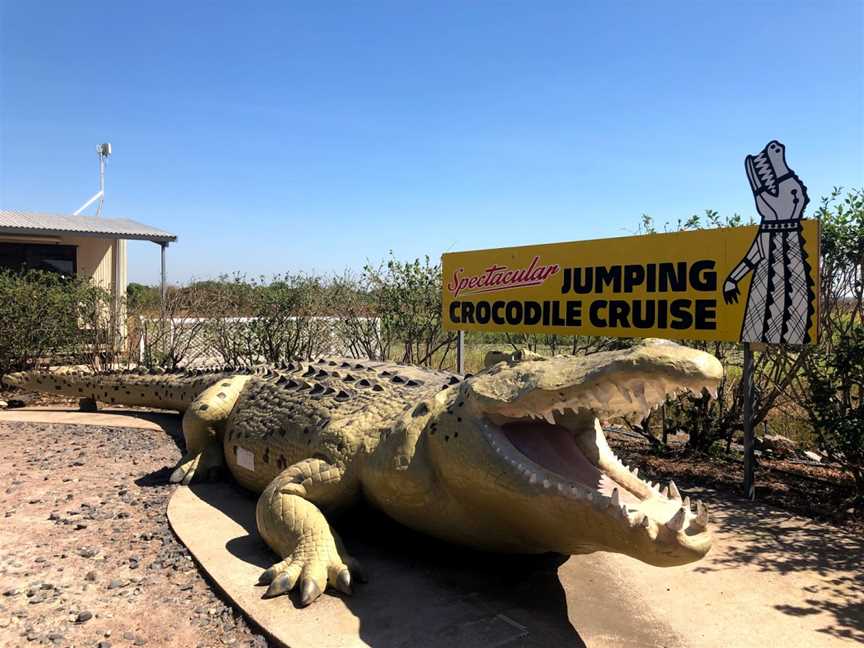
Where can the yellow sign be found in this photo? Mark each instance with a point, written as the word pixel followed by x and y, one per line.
pixel 749 284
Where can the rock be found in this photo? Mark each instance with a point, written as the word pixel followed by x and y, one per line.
pixel 103 644
pixel 15 402
pixel 812 456
pixel 12 591
pixel 779 445
pixel 84 616
pixel 91 576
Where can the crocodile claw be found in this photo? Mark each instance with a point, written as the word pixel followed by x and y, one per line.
pixel 309 591
pixel 343 581
pixel 281 584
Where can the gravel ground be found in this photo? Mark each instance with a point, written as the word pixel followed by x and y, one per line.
pixel 86 554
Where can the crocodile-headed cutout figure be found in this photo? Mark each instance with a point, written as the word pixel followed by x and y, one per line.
pixel 512 459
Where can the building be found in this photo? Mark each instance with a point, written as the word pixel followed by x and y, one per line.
pixel 81 246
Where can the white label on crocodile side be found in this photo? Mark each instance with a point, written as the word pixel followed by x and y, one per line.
pixel 245 459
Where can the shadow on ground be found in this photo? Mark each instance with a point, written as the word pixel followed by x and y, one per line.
pixel 427 593
pixel 774 541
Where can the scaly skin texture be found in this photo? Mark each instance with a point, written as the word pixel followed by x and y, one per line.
pixel 512 459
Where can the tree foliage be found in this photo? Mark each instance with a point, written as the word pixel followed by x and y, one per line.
pixel 49 317
pixel 830 386
pixel 407 301
pixel 835 402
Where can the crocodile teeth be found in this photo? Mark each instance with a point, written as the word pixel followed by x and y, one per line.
pixel 687 503
pixel 635 472
pixel 532 479
pixel 701 514
pixel 664 491
pixel 616 498
pixel 673 491
pixel 560 488
pixel 677 521
pixel 550 418
pixel 546 483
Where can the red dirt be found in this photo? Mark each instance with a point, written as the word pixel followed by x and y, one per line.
pixel 86 555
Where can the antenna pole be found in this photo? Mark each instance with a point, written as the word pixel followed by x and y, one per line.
pixel 102 157
pixel 103 151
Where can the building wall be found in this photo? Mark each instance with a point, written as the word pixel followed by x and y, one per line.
pixel 94 258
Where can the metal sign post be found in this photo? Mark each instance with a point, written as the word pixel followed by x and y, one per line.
pixel 460 352
pixel 747 386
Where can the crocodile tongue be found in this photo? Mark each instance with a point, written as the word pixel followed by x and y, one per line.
pixel 554 448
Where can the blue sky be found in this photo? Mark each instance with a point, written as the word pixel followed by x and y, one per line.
pixel 319 136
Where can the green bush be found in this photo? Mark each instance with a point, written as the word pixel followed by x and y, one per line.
pixel 406 298
pixel 836 403
pixel 46 317
pixel 830 387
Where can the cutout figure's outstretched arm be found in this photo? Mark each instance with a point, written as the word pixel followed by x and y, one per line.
pixel 744 267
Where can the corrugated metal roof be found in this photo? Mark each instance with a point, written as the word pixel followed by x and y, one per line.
pixel 13 221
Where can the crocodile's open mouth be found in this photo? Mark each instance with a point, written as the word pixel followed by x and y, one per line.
pixel 569 455
pixel 542 417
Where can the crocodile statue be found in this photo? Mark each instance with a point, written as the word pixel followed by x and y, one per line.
pixel 512 459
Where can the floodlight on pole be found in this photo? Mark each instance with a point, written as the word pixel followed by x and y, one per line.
pixel 103 151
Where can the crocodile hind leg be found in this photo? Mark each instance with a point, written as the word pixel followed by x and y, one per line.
pixel 203 429
pixel 296 529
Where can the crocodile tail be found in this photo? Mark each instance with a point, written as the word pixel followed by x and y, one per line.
pixel 164 390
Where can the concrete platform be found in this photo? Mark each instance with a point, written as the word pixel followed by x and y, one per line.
pixel 115 416
pixel 421 592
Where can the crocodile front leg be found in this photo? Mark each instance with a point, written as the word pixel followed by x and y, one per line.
pixel 296 529
pixel 203 429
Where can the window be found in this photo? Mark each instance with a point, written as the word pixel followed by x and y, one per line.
pixel 30 256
